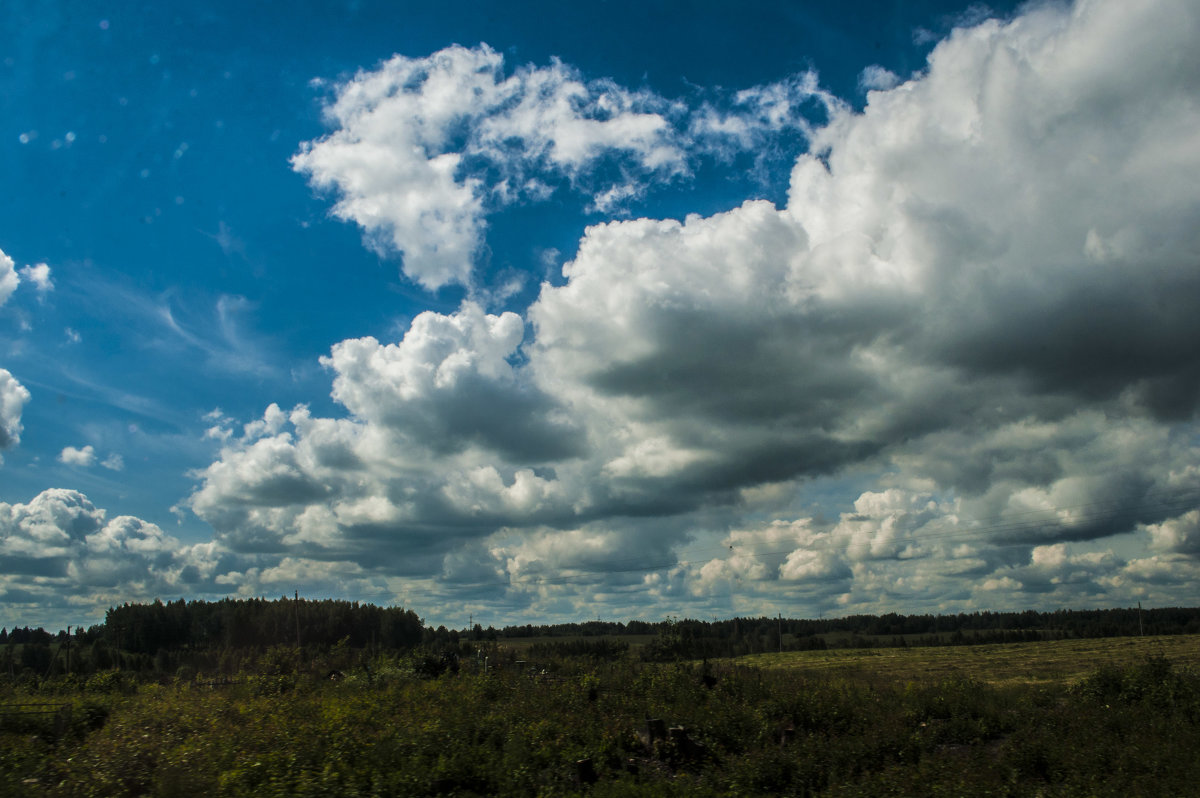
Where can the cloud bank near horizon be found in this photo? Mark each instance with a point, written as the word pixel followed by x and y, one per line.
pixel 956 370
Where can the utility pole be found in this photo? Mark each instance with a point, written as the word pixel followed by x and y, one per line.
pixel 781 633
pixel 1140 632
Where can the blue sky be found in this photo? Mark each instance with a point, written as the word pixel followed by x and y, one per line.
pixel 547 311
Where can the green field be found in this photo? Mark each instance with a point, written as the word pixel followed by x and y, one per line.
pixel 524 644
pixel 1047 662
pixel 1114 717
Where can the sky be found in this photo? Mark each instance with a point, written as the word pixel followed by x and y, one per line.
pixel 540 312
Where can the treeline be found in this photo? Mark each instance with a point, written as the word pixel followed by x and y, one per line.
pixel 257 623
pixel 146 630
pixel 930 629
pixel 675 639
pixel 216 636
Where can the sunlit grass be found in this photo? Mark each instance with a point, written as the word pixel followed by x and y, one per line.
pixel 1046 662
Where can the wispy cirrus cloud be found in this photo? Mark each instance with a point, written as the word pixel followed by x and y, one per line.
pixel 219 328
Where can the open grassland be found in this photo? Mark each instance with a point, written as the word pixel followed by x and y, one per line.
pixel 1060 662
pixel 525 644
pixel 1074 718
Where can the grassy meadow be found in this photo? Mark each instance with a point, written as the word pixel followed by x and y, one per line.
pixel 1059 718
pixel 1049 662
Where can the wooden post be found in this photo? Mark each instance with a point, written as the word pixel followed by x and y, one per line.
pixel 585 771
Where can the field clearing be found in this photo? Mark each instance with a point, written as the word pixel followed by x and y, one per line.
pixel 521 644
pixel 1046 662
pixel 994 719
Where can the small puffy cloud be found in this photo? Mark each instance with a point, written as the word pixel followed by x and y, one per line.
pixel 114 462
pixel 13 396
pixel 84 457
pixel 39 275
pixel 877 78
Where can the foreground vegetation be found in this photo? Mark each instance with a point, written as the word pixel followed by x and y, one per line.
pixel 1117 717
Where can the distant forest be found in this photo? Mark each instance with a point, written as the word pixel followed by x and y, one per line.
pixel 159 635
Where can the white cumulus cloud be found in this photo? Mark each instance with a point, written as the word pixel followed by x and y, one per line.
pixel 423 147
pixel 13 396
pixel 8 277
pixel 82 456
pixel 39 275
pixel 60 548
pixel 876 78
pixel 957 365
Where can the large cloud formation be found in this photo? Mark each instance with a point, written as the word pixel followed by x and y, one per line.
pixel 425 148
pixel 957 370
pixel 977 309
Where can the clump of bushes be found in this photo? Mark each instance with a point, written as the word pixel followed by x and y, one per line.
pixel 1155 682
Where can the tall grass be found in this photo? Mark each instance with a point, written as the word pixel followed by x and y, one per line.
pixel 621 727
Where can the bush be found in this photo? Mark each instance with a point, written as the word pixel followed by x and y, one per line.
pixel 111 681
pixel 1155 682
